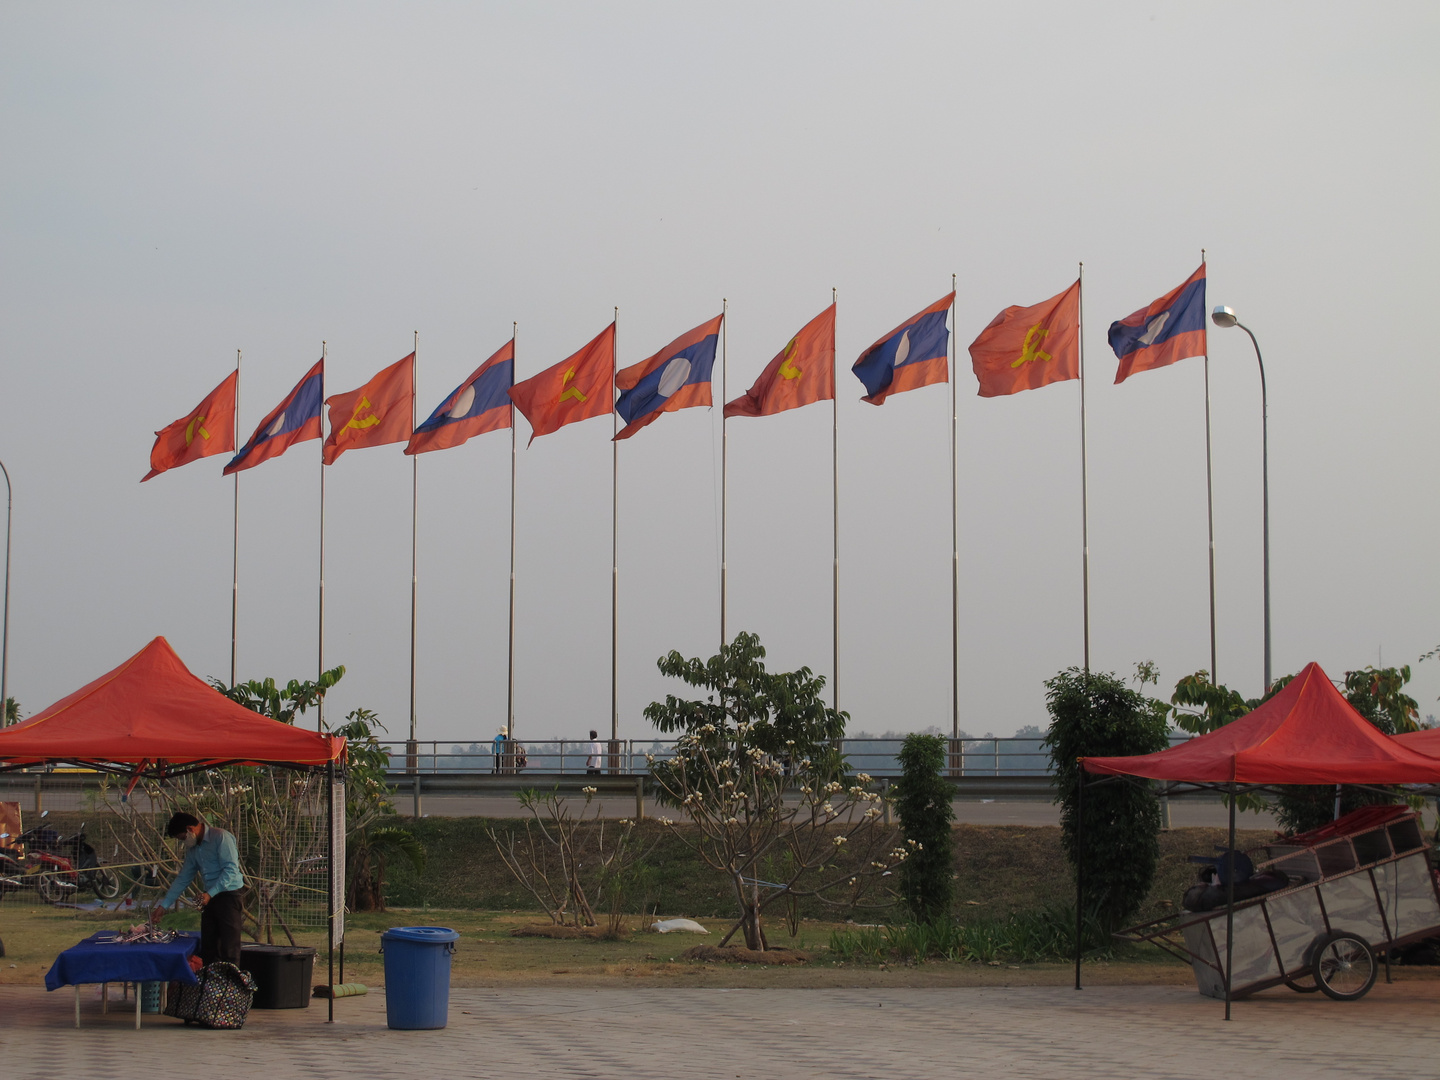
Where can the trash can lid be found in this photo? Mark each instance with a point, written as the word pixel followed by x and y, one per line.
pixel 429 935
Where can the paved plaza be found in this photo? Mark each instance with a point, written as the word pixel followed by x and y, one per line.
pixel 638 1034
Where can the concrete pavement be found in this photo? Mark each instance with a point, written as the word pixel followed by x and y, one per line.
pixel 711 1034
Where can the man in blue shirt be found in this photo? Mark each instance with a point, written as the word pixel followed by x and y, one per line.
pixel 211 853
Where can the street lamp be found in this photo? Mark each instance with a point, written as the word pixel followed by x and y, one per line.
pixel 5 640
pixel 1225 317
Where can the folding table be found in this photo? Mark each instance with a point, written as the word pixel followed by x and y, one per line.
pixel 102 959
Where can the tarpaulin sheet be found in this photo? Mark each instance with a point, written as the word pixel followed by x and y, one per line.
pixel 95 960
pixel 152 710
pixel 1306 734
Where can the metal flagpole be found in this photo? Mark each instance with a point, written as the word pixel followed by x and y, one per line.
pixel 330 886
pixel 1210 515
pixel 954 541
pixel 510 690
pixel 414 566
pixel 835 504
pixel 724 458
pixel 614 551
pixel 320 703
pixel 5 639
pixel 235 546
pixel 1084 484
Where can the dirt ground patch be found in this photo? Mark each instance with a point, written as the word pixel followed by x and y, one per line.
pixel 738 954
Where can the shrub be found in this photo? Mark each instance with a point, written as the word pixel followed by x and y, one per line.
pixel 1096 715
pixel 923 802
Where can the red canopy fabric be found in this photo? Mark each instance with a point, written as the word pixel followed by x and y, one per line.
pixel 151 710
pixel 1425 742
pixel 1306 734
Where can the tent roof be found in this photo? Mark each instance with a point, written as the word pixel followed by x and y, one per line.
pixel 1306 734
pixel 152 711
pixel 1425 742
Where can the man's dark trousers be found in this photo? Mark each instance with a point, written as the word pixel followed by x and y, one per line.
pixel 220 925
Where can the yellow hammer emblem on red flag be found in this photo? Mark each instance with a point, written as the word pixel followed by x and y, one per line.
pixel 1030 350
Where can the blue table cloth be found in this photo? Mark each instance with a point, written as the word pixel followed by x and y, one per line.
pixel 96 960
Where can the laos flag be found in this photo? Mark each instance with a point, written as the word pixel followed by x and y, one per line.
pixel 676 377
pixel 1170 329
pixel 916 353
pixel 479 404
pixel 295 419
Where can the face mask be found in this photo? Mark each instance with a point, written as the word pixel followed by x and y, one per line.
pixel 190 840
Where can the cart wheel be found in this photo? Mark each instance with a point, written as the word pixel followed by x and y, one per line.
pixel 1344 966
pixel 1305 984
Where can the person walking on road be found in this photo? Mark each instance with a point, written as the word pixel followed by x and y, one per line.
pixel 211 853
pixel 592 763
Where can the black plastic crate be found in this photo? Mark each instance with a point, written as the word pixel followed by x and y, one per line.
pixel 282 973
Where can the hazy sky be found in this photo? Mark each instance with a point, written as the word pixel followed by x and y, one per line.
pixel 181 180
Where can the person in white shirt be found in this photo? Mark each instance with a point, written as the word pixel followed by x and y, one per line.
pixel 592 763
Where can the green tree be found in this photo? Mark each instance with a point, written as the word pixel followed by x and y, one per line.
pixel 760 777
pixel 373 833
pixel 923 802
pixel 1094 714
pixel 283 703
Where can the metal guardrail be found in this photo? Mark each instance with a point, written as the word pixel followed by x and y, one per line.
pixel 993 757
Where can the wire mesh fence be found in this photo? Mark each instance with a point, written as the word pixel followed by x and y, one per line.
pixel 78 839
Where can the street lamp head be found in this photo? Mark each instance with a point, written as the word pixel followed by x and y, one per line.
pixel 1224 317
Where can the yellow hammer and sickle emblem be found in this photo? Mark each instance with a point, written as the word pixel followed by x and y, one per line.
pixel 1031 349
pixel 787 369
pixel 356 422
pixel 193 427
pixel 571 392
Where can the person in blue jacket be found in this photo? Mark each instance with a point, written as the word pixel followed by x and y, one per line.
pixel 211 853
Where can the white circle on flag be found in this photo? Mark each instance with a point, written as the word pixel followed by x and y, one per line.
pixel 277 426
pixel 462 403
pixel 675 375
pixel 903 349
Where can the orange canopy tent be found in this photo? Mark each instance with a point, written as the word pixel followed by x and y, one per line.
pixel 1306 734
pixel 152 717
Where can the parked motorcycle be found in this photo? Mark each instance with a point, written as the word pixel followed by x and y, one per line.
pixel 25 864
pixel 78 865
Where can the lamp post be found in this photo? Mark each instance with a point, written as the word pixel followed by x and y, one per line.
pixel 1225 317
pixel 5 639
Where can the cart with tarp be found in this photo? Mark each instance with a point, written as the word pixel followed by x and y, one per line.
pixel 1361 886
pixel 1357 888
pixel 152 719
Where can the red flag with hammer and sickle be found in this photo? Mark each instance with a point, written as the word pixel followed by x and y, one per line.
pixel 382 411
pixel 207 429
pixel 1029 347
pixel 577 388
pixel 803 373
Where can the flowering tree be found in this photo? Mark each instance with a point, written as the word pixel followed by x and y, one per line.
pixel 549 857
pixel 758 775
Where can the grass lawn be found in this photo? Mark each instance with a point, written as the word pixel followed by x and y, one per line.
pixel 489 956
pixel 999 870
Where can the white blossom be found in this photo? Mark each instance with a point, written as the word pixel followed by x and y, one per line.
pixel 588 790
pixel 838 840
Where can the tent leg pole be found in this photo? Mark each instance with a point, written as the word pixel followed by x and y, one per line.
pixel 1230 905
pixel 330 888
pixel 1079 872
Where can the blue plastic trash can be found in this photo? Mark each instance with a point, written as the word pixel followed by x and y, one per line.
pixel 417 975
